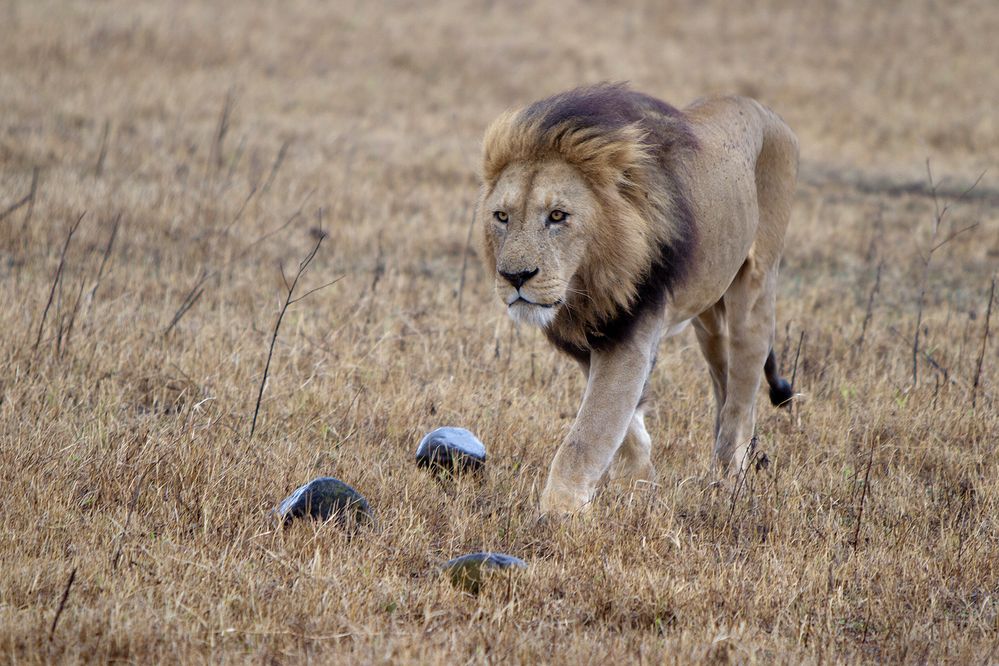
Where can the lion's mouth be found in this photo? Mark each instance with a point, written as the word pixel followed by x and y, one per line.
pixel 521 299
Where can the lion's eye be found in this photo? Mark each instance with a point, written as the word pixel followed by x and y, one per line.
pixel 501 217
pixel 557 216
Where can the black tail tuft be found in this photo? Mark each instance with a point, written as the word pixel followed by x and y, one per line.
pixel 781 391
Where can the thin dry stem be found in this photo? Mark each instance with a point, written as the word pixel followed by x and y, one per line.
pixel 985 342
pixel 57 278
pixel 288 301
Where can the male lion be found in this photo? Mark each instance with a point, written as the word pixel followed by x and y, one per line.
pixel 612 219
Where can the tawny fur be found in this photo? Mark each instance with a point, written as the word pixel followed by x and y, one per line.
pixel 670 217
pixel 636 190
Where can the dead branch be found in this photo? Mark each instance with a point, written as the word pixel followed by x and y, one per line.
pixel 464 256
pixel 239 212
pixel 863 496
pixel 938 217
pixel 107 255
pixel 217 157
pixel 936 365
pixel 870 306
pixel 57 278
pixel 985 341
pixel 797 354
pixel 102 155
pixel 794 373
pixel 62 603
pixel 195 292
pixel 289 300
pixel 278 161
pixel 27 199
pixel 62 342
pixel 190 299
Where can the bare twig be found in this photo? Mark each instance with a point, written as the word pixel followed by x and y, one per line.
pixel 294 216
pixel 27 199
pixel 863 496
pixel 32 197
pixel 797 354
pixel 99 167
pixel 62 342
pixel 379 269
pixel 189 300
pixel 56 279
pixel 220 131
pixel 62 603
pixel 239 212
pixel 278 161
pixel 23 201
pixel 288 301
pixel 107 255
pixel 953 236
pixel 938 216
pixel 464 257
pixel 936 365
pixel 312 291
pixel 195 292
pixel 985 341
pixel 870 306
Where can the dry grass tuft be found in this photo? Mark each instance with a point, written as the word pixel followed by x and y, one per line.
pixel 196 144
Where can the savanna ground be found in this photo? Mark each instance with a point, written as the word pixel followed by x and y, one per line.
pixel 207 144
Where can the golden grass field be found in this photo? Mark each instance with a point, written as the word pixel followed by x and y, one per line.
pixel 219 138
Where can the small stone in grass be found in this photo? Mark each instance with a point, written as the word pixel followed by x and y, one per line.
pixel 324 498
pixel 468 571
pixel 451 449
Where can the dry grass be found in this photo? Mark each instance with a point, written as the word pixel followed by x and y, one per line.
pixel 124 450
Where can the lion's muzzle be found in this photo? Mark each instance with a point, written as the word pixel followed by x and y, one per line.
pixel 519 278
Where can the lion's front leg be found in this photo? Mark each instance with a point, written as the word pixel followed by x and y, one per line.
pixel 614 387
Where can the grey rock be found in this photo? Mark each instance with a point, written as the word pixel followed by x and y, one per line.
pixel 468 571
pixel 325 498
pixel 451 450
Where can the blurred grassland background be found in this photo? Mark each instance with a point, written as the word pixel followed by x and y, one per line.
pixel 207 144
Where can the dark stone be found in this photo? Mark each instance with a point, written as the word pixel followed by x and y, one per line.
pixel 469 571
pixel 325 498
pixel 451 450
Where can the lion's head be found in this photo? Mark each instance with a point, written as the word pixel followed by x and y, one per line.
pixel 540 219
pixel 583 217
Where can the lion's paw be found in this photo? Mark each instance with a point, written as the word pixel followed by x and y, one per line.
pixel 564 503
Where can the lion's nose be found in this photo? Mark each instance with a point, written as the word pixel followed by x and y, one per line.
pixel 518 279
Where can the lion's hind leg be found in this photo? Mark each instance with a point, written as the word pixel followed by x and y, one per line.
pixel 633 461
pixel 712 337
pixel 749 305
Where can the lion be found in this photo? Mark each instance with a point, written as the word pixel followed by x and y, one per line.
pixel 612 220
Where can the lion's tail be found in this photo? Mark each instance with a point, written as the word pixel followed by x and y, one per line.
pixel 781 390
pixel 776 178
